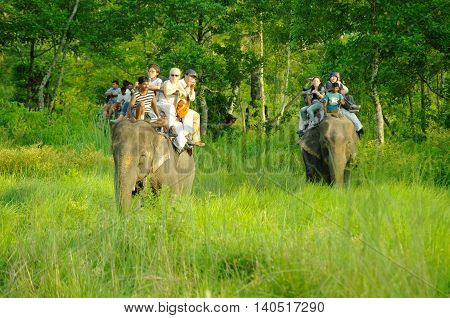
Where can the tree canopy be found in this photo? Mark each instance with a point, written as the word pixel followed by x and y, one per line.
pixel 252 57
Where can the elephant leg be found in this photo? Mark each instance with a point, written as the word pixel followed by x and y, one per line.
pixel 346 176
pixel 312 174
pixel 156 186
pixel 140 185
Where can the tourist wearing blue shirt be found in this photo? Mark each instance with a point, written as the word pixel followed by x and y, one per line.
pixel 333 100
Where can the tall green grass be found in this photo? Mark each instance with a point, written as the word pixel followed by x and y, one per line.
pixel 252 228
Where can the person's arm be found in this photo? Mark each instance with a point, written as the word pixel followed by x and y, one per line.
pixel 181 90
pixel 156 87
pixel 108 92
pixel 345 88
pixel 342 101
pixel 351 100
pixel 190 88
pixel 318 93
pixel 155 107
pixel 324 103
pixel 191 91
pixel 321 93
pixel 169 89
pixel 127 96
pixel 132 103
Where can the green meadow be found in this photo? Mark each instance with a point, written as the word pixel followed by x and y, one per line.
pixel 252 227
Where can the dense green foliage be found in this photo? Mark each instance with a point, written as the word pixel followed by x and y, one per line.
pixel 253 226
pixel 108 40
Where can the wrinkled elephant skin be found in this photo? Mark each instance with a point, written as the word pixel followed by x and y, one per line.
pixel 142 155
pixel 328 150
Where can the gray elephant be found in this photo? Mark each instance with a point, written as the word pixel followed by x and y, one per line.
pixel 329 149
pixel 143 155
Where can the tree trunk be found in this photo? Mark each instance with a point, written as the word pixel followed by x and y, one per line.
pixel 200 30
pixel 288 69
pixel 376 98
pixel 255 95
pixel 30 74
pixel 144 43
pixel 374 79
pixel 244 116
pixel 438 100
pixel 57 54
pixel 203 112
pixel 235 97
pixel 58 84
pixel 411 110
pixel 423 108
pixel 257 82
pixel 261 73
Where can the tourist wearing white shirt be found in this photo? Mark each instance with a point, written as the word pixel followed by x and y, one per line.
pixel 191 121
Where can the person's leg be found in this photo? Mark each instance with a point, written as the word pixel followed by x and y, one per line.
pixel 322 114
pixel 312 110
pixel 180 140
pixel 301 122
pixel 188 122
pixel 169 110
pixel 352 117
pixel 357 122
pixel 303 117
pixel 311 114
pixel 304 113
pixel 140 109
pixel 196 135
pixel 124 110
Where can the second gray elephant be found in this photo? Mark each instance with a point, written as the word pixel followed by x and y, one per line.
pixel 329 149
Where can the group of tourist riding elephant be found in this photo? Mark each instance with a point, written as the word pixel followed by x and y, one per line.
pixel 143 156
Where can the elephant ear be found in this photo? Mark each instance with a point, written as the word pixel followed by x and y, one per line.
pixel 161 153
pixel 310 142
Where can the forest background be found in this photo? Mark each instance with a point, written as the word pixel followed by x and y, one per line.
pixel 253 58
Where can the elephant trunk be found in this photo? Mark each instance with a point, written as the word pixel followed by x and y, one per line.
pixel 125 180
pixel 337 164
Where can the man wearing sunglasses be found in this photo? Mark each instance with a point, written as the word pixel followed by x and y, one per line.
pixel 191 121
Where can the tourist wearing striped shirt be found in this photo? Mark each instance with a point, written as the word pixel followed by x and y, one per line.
pixel 144 101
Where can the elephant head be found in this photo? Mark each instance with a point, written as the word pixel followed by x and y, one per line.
pixel 141 153
pixel 338 147
pixel 329 149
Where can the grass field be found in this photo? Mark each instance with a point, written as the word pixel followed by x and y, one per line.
pixel 252 228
